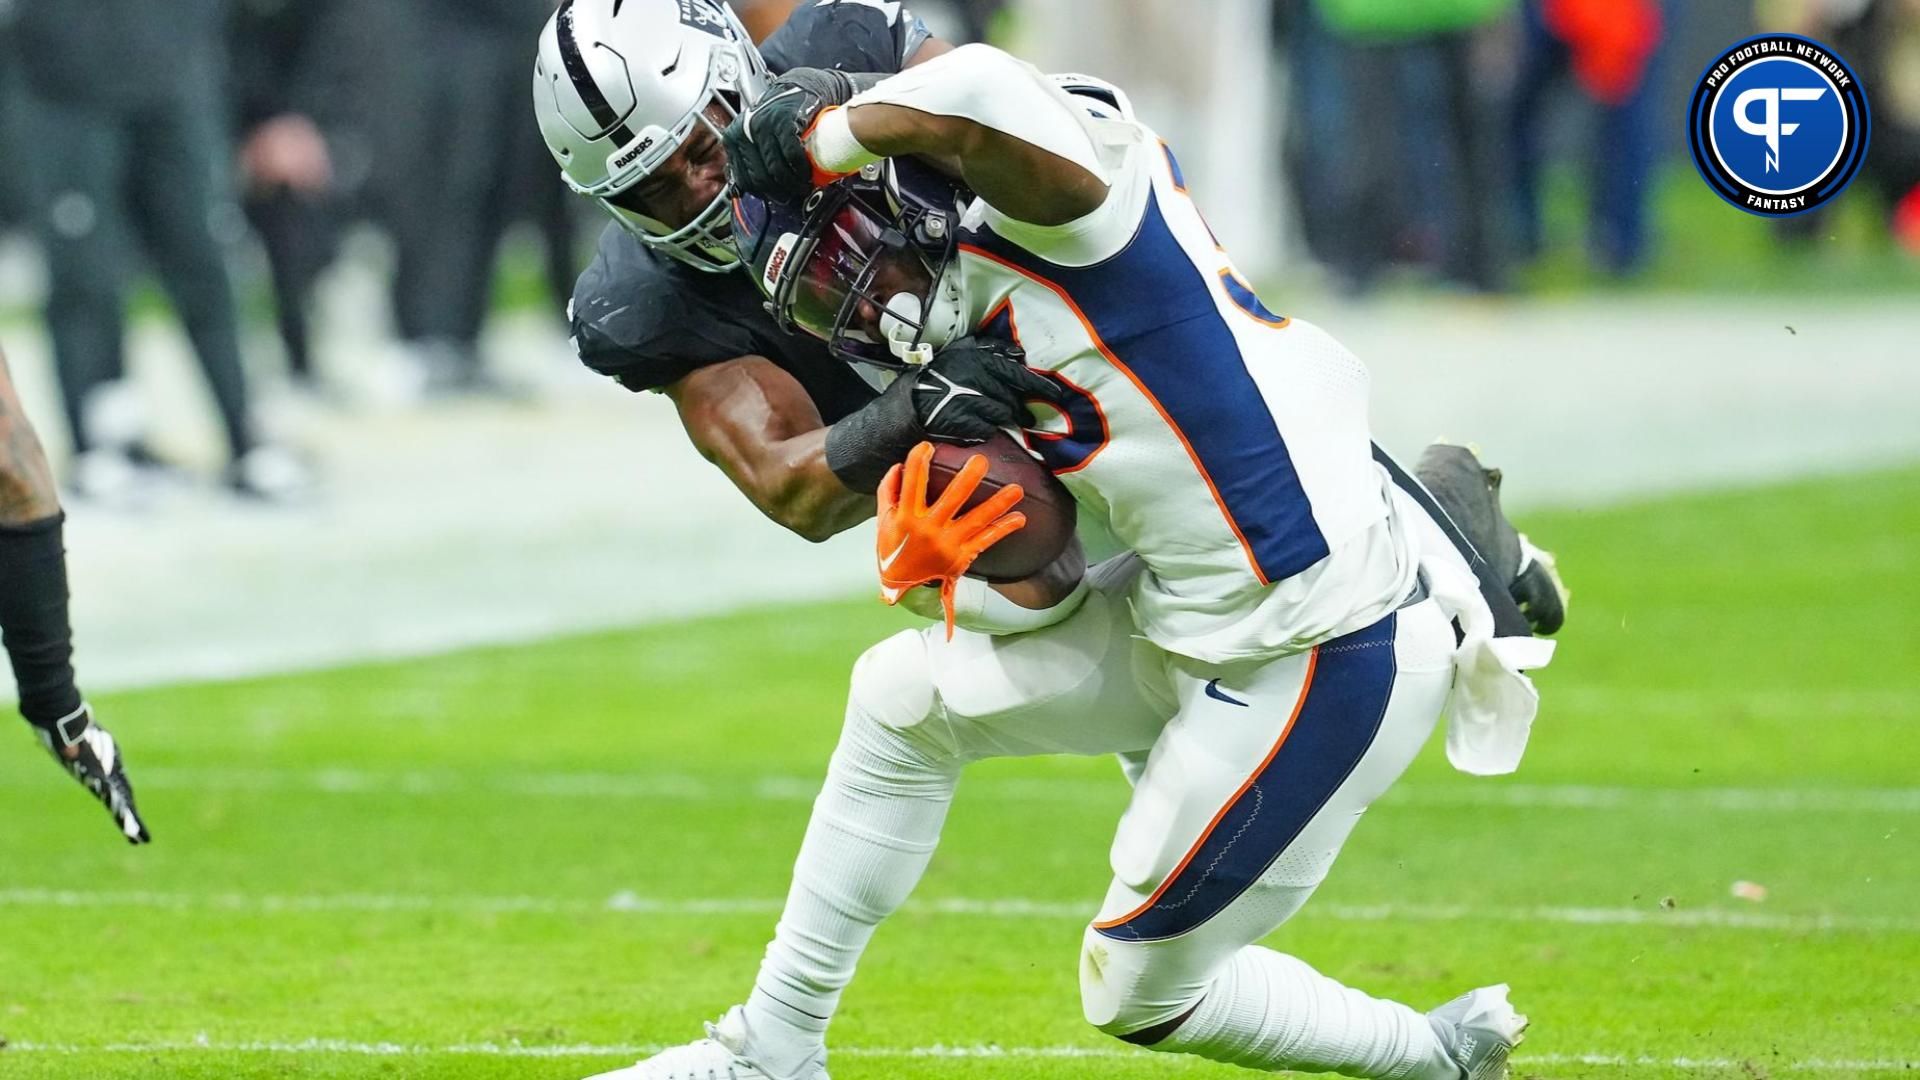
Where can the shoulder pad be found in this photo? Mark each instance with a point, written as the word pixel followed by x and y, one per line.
pixel 638 320
pixel 850 35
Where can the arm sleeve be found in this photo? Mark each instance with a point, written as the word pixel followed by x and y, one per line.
pixel 847 35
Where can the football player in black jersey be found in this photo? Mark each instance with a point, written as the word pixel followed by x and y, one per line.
pixel 631 103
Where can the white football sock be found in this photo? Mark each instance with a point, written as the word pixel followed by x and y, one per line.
pixel 873 830
pixel 1270 1011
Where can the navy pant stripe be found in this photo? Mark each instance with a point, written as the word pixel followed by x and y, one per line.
pixel 1345 703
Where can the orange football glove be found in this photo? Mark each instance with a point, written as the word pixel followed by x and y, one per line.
pixel 921 544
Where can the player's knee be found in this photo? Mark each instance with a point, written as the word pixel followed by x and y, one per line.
pixel 1120 994
pixel 887 743
pixel 893 683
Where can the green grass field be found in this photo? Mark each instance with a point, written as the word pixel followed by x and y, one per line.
pixel 536 861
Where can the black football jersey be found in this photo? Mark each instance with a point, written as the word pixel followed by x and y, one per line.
pixel 647 321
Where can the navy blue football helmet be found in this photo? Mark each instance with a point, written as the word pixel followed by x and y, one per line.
pixel 863 263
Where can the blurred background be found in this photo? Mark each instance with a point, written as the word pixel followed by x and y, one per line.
pixel 358 409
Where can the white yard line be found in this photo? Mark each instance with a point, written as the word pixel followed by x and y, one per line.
pixel 349 1047
pixel 1011 908
pixel 677 787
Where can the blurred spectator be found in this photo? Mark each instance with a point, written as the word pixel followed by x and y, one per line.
pixel 1609 47
pixel 960 21
pixel 978 18
pixel 1201 75
pixel 128 131
pixel 301 82
pixel 14 201
pixel 1391 142
pixel 474 163
pixel 1893 72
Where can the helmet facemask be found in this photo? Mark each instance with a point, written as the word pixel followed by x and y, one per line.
pixel 871 281
pixel 706 242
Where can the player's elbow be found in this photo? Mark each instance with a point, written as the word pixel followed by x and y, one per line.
pixel 812 515
pixel 813 528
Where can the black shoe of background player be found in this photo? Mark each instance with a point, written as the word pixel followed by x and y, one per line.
pixel 1470 494
pixel 89 754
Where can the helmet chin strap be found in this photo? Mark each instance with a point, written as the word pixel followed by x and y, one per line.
pixel 901 324
pixel 913 333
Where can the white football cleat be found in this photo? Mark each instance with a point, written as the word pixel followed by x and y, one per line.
pixel 1479 1029
pixel 716 1057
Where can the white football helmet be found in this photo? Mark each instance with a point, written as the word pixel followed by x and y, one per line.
pixel 620 84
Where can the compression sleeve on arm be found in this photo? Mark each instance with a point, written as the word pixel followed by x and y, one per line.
pixel 33 619
pixel 978 83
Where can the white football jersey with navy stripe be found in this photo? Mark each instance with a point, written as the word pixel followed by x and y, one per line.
pixel 1226 445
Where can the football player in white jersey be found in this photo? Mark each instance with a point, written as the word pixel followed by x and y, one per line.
pixel 1273 651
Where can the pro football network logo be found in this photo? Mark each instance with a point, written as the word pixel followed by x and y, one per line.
pixel 1778 125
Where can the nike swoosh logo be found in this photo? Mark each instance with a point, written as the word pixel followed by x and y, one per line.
pixel 1214 692
pixel 949 393
pixel 887 563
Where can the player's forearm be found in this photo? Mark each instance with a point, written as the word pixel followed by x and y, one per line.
pixel 792 484
pixel 990 118
pixel 757 424
pixel 1012 176
pixel 26 482
pixel 1049 587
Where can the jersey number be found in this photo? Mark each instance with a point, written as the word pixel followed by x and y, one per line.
pixel 1062 451
pixel 1086 429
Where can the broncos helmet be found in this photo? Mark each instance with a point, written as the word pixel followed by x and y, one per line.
pixel 863 264
pixel 619 85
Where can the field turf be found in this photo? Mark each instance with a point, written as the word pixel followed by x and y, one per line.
pixel 537 861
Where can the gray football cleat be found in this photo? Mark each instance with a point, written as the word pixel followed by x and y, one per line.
pixel 1538 590
pixel 1479 1029
pixel 1470 494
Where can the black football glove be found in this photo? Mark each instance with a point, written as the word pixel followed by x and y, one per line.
pixel 977 385
pixel 88 752
pixel 973 388
pixel 765 153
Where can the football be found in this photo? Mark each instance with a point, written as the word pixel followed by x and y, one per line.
pixel 1050 510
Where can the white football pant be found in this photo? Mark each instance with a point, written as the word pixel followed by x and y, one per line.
pixel 1247 779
